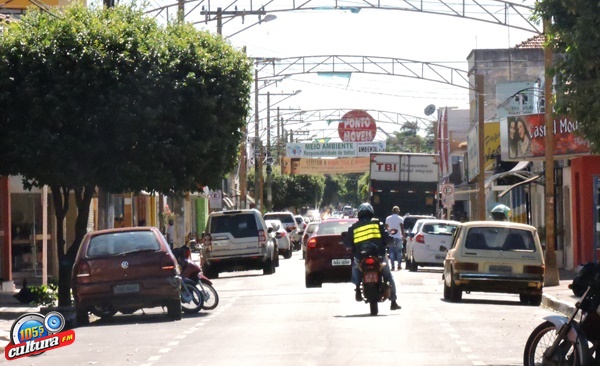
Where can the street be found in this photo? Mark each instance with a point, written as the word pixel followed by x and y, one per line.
pixel 275 320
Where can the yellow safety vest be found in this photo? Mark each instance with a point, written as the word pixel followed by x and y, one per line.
pixel 367 232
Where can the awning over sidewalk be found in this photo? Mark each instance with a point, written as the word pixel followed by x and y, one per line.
pixel 518 171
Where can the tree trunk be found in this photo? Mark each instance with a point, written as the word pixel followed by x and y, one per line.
pixel 66 257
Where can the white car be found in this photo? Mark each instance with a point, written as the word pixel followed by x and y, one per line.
pixel 284 243
pixel 429 242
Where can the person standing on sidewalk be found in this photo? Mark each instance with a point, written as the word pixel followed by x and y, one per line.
pixel 395 222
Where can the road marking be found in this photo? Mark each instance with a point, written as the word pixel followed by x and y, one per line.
pixel 154 358
pixel 181 336
pixel 164 350
pixel 173 343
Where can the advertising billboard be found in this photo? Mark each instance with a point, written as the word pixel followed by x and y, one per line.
pixel 310 166
pixel 332 149
pixel 491 148
pixel 357 126
pixel 523 137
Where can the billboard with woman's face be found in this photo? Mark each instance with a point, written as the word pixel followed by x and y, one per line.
pixel 522 137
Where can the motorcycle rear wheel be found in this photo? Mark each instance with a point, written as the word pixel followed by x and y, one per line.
pixel 373 304
pixel 567 352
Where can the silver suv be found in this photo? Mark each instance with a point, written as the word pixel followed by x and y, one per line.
pixel 236 241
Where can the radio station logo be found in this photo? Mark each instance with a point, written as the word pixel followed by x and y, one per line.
pixel 33 334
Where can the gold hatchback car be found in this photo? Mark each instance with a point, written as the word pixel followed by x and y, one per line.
pixel 495 256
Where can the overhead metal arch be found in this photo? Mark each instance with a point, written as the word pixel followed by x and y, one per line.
pixel 499 12
pixel 268 68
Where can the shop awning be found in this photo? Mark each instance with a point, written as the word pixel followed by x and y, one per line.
pixel 526 181
pixel 518 171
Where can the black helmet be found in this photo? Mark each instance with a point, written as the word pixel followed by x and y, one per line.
pixel 365 210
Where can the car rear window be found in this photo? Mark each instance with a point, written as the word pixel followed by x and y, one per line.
pixel 439 229
pixel 122 242
pixel 333 228
pixel 299 220
pixel 500 239
pixel 239 226
pixel 284 218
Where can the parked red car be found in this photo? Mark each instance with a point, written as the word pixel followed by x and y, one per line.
pixel 327 260
pixel 125 270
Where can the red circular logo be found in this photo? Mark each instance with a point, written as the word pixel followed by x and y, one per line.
pixel 357 126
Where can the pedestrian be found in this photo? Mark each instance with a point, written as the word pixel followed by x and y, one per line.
pixel 395 222
pixel 170 233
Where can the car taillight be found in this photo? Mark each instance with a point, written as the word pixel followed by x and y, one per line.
pixel 534 269
pixel 420 238
pixel 262 239
pixel 166 262
pixel 207 241
pixel 312 243
pixel 466 266
pixel 83 272
pixel 304 226
pixel 370 261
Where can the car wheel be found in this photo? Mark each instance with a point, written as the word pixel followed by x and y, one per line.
pixel 446 291
pixel 288 254
pixel 210 272
pixel 102 311
pixel 269 267
pixel 455 292
pixel 312 281
pixel 303 254
pixel 81 316
pixel 534 300
pixel 174 309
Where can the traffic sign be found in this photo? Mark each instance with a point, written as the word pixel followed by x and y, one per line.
pixel 448 195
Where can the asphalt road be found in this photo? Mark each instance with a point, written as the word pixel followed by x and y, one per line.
pixel 275 320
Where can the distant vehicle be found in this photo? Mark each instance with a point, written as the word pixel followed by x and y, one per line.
pixel 409 223
pixel 495 256
pixel 237 240
pixel 347 211
pixel 300 227
pixel 327 259
pixel 308 233
pixel 289 223
pixel 124 270
pixel 406 179
pixel 284 243
pixel 429 242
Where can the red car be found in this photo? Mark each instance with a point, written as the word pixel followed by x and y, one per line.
pixel 125 270
pixel 327 260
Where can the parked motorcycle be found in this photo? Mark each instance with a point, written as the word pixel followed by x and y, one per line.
pixel 374 289
pixel 562 340
pixel 192 272
pixel 191 297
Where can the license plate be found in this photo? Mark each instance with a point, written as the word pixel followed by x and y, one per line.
pixel 341 262
pixel 500 268
pixel 126 288
pixel 219 243
pixel 371 277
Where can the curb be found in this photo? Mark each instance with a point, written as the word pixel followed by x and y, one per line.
pixel 563 307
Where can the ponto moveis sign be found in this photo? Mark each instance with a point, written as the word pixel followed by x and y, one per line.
pixel 357 126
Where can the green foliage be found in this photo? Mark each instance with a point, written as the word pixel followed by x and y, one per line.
pixel 574 34
pixel 44 295
pixel 290 191
pixel 110 98
pixel 105 97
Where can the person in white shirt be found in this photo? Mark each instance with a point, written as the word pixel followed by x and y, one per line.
pixel 395 222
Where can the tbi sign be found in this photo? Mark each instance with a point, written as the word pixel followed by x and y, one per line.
pixel 357 126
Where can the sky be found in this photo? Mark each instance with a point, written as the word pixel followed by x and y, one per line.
pixel 369 32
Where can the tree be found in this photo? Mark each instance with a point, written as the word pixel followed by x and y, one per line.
pixel 291 191
pixel 107 98
pixel 576 42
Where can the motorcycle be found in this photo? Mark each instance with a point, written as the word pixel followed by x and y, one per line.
pixel 192 274
pixel 374 290
pixel 573 340
pixel 191 297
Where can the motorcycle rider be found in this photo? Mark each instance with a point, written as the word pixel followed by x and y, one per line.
pixel 369 229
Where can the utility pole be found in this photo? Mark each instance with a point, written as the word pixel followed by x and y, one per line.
pixel 551 277
pixel 481 211
pixel 268 154
pixel 257 170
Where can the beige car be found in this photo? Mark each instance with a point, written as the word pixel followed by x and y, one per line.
pixel 495 256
